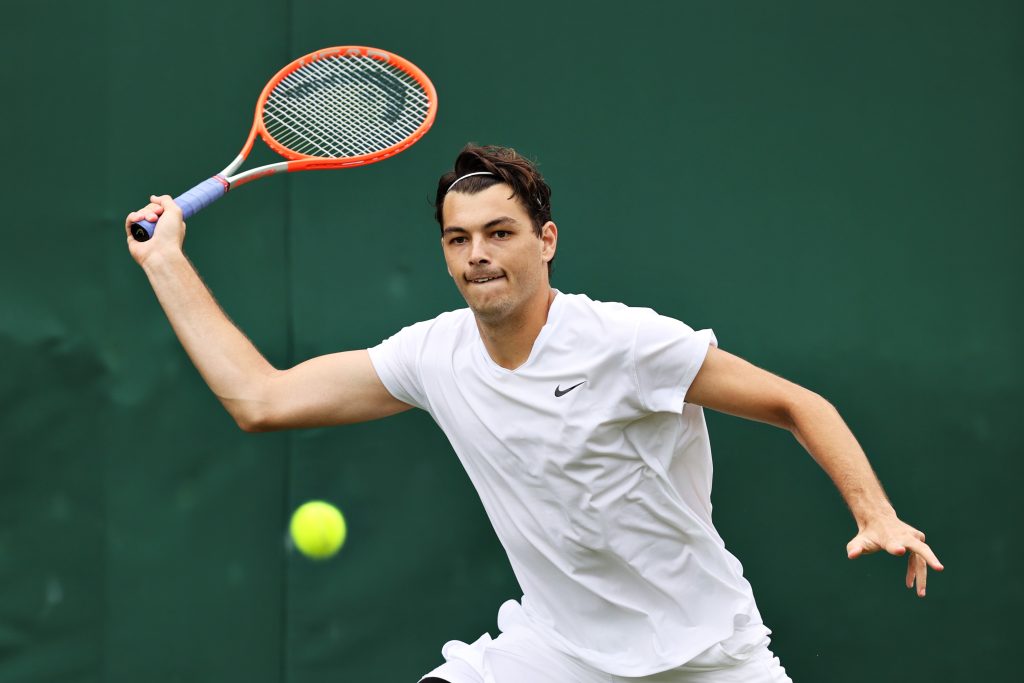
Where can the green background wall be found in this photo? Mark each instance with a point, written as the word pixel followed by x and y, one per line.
pixel 835 188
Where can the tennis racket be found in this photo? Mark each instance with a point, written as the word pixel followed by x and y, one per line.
pixel 333 108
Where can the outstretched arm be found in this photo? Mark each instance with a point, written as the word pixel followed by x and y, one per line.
pixel 731 385
pixel 333 389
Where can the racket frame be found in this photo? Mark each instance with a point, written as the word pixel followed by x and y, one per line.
pixel 213 188
pixel 303 162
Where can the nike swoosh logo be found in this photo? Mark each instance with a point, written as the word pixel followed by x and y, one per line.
pixel 559 392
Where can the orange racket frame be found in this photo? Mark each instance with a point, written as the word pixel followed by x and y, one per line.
pixel 302 162
pixel 208 191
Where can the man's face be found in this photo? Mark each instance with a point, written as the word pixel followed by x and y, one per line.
pixel 497 261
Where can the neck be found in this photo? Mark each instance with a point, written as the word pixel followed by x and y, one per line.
pixel 509 341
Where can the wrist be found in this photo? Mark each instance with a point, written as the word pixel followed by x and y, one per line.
pixel 162 261
pixel 870 514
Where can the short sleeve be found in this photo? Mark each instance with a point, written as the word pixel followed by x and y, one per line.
pixel 397 362
pixel 668 354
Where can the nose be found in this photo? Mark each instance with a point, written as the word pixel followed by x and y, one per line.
pixel 478 253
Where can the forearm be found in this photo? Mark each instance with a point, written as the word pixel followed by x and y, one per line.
pixel 229 363
pixel 819 428
pixel 732 385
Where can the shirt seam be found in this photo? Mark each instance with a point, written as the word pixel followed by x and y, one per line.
pixel 636 369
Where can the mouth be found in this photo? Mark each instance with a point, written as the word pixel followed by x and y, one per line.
pixel 484 280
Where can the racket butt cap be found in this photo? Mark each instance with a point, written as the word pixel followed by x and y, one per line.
pixel 139 231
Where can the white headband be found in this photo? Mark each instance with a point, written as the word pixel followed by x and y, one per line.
pixel 464 177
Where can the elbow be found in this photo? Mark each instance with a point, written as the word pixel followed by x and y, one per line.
pixel 250 418
pixel 803 405
pixel 250 425
pixel 255 422
pixel 261 407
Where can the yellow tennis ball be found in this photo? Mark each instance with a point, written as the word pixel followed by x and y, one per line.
pixel 318 529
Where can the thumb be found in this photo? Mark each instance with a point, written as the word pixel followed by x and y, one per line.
pixel 857 547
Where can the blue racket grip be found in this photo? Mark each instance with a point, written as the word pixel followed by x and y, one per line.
pixel 191 203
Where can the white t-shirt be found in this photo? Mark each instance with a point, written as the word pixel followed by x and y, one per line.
pixel 594 473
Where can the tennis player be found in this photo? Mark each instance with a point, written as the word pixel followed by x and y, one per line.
pixel 581 426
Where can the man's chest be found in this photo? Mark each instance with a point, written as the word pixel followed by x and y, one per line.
pixel 565 411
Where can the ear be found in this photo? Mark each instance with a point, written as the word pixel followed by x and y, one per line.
pixel 443 256
pixel 549 240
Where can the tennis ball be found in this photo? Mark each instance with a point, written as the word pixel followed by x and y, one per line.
pixel 318 529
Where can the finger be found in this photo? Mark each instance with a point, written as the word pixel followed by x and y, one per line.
pixel 897 549
pixel 153 211
pixel 165 202
pixel 137 216
pixel 911 572
pixel 131 219
pixel 921 573
pixel 150 212
pixel 926 554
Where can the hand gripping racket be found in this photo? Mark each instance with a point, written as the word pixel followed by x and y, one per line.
pixel 334 108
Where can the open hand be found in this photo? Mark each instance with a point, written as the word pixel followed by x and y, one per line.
pixel 897 538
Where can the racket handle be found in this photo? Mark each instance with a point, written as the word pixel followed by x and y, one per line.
pixel 191 203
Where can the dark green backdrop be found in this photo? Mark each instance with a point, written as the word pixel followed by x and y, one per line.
pixel 835 188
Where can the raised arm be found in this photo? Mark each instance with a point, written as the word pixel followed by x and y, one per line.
pixel 731 385
pixel 334 389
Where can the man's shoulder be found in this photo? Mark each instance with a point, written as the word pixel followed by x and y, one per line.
pixel 445 324
pixel 612 323
pixel 455 317
pixel 609 312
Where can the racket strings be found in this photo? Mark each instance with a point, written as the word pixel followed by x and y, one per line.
pixel 403 126
pixel 345 106
pixel 306 129
pixel 324 109
pixel 349 134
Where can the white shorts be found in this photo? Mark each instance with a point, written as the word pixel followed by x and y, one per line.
pixel 520 655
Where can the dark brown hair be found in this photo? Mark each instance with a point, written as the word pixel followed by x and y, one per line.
pixel 508 167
